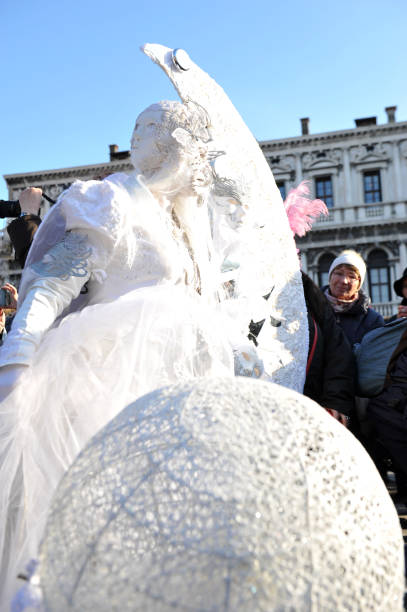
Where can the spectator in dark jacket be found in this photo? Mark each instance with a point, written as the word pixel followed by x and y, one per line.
pixel 388 414
pixel 22 229
pixel 400 288
pixel 350 305
pixel 330 368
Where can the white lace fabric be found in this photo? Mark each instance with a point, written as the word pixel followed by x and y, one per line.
pixel 222 494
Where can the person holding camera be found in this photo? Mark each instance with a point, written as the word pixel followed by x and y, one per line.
pixel 8 301
pixel 400 288
pixel 26 223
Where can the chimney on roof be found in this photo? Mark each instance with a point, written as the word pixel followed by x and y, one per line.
pixel 304 126
pixel 391 114
pixel 366 121
pixel 112 150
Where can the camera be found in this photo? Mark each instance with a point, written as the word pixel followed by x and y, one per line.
pixel 9 208
pixel 5 298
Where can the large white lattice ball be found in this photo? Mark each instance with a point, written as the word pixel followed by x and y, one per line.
pixel 217 495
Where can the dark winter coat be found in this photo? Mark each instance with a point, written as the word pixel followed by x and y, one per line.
pixel 21 232
pixel 394 394
pixel 359 319
pixel 388 410
pixel 330 379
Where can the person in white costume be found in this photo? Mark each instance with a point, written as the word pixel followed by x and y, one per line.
pixel 148 317
pixel 123 294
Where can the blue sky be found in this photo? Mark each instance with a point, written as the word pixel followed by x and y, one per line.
pixel 73 78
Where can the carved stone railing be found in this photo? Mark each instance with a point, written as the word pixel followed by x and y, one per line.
pixel 363 213
pixel 386 309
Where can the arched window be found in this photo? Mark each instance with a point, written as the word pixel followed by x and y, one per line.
pixel 324 264
pixel 378 276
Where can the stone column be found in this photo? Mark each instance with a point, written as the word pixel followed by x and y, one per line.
pixel 346 173
pixel 312 272
pixel 298 169
pixel 403 259
pixel 393 276
pixel 304 262
pixel 397 172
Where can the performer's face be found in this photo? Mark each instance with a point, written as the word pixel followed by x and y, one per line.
pixel 145 150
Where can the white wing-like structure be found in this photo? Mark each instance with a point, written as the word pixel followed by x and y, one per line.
pixel 264 260
pixel 221 494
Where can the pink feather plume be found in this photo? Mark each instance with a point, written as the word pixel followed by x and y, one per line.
pixel 302 210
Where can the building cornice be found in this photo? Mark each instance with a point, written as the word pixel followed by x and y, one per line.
pixel 368 132
pixel 348 234
pixel 64 174
pixel 295 142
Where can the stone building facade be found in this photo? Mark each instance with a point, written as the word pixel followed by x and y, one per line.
pixel 360 173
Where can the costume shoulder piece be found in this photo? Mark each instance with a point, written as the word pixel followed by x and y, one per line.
pixel 95 206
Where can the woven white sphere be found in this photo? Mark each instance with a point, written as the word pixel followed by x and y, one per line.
pixel 228 494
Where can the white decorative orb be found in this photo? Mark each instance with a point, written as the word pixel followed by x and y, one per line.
pixel 222 494
pixel 181 59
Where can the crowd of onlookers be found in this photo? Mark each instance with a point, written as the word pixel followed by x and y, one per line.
pixel 339 316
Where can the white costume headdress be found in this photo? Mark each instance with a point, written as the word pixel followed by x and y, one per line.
pixel 263 260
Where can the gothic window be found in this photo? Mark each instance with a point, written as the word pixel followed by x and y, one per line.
pixel 371 186
pixel 323 190
pixel 378 276
pixel 281 186
pixel 324 264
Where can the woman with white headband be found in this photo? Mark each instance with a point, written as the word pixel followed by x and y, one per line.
pixel 350 304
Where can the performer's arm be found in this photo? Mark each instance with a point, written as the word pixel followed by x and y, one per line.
pixel 55 282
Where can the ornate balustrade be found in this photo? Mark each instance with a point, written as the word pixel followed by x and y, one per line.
pixel 363 213
pixel 386 309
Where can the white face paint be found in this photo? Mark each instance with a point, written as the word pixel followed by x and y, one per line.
pixel 145 151
pixel 158 146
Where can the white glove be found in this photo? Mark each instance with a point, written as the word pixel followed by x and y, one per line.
pixel 46 299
